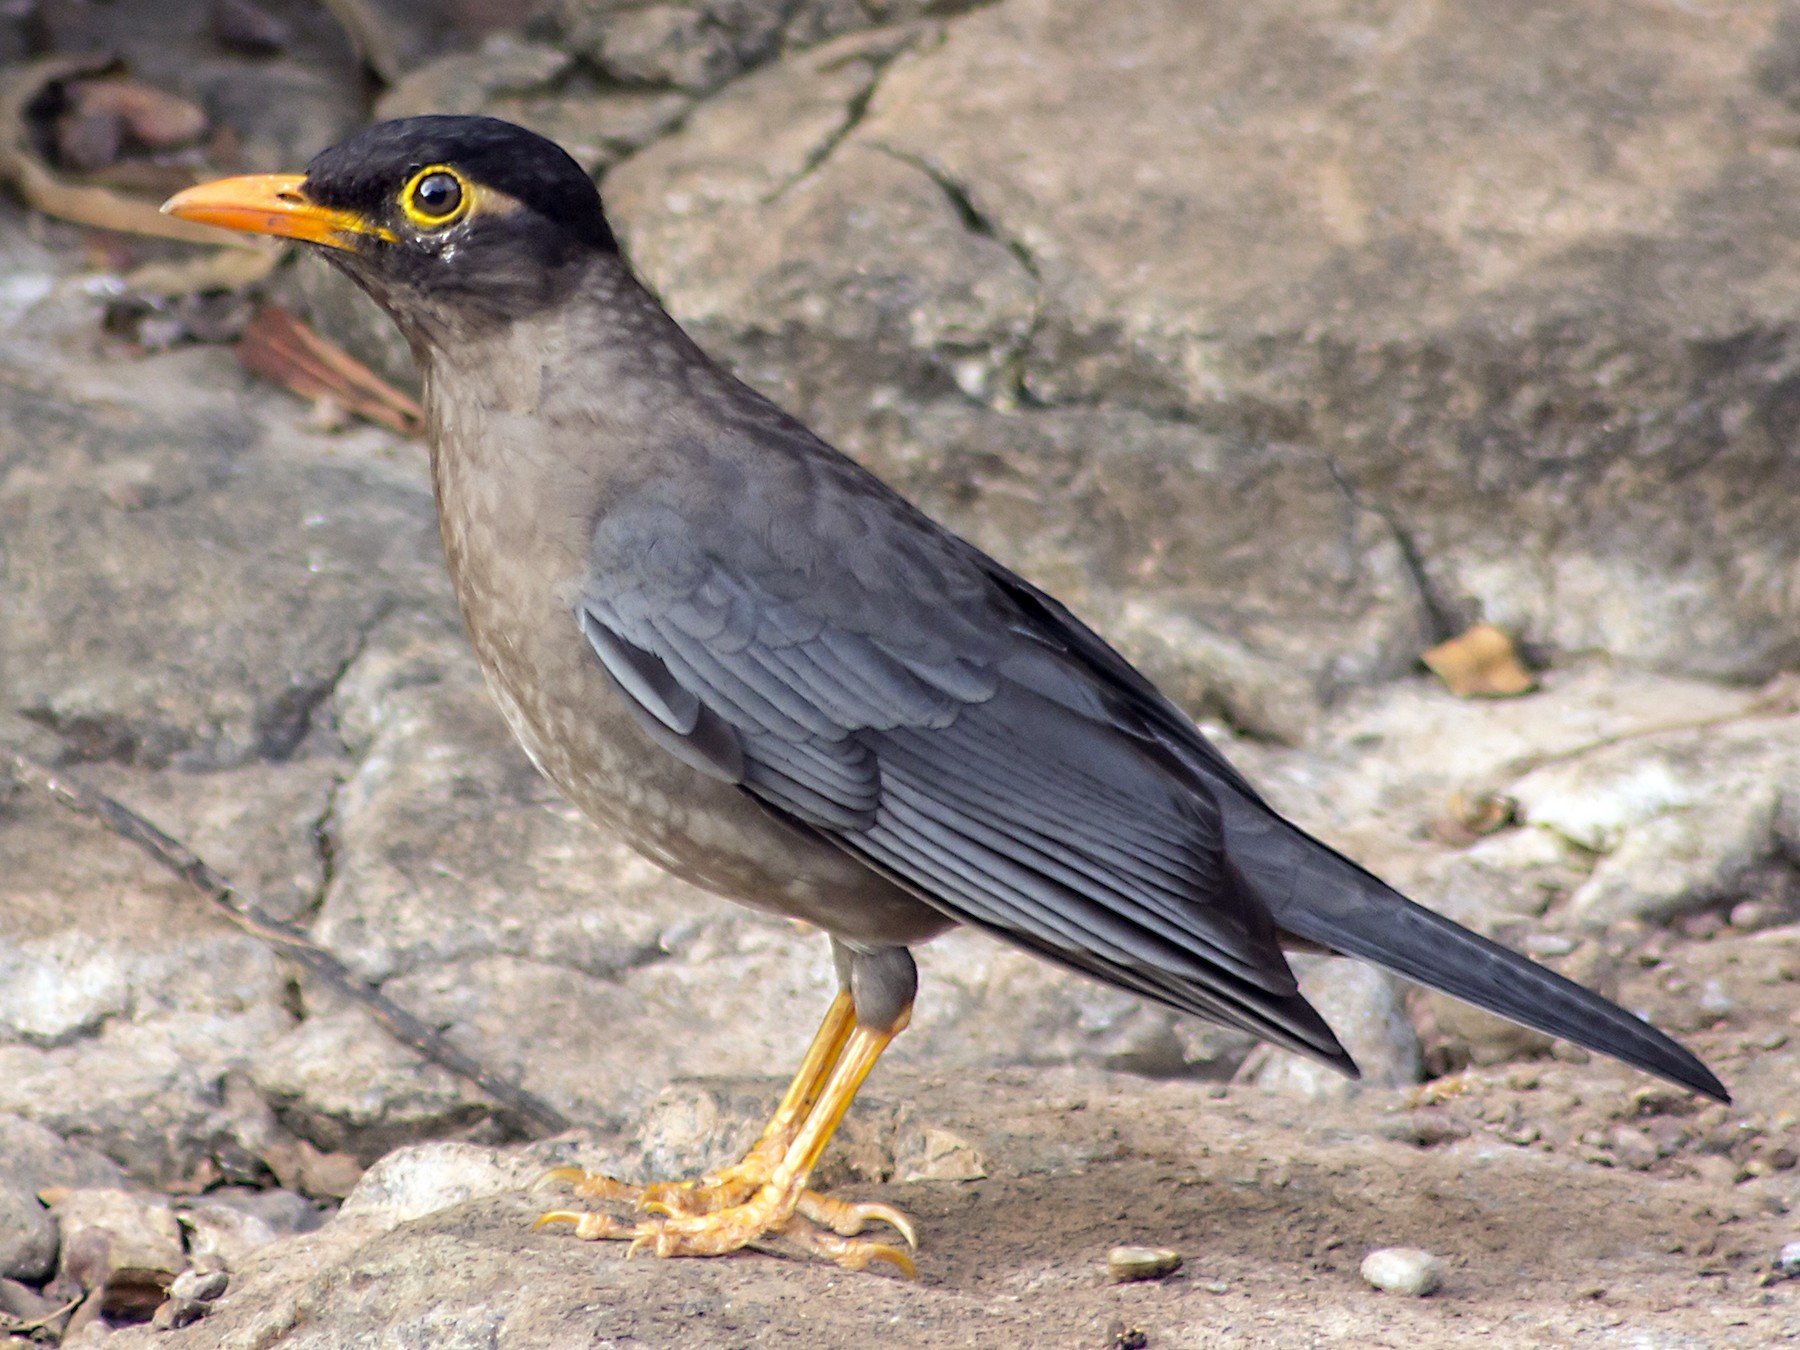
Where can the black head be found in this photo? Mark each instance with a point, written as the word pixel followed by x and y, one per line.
pixel 437 217
pixel 377 173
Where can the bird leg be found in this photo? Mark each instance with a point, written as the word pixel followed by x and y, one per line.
pixel 766 1191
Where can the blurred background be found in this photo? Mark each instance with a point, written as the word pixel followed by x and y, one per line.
pixel 1412 389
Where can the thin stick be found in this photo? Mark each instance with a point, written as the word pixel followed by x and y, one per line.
pixel 21 1328
pixel 523 1107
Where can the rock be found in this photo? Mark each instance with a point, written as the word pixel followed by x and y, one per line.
pixel 1403 1270
pixel 1364 1007
pixel 698 46
pixel 33 1159
pixel 1787 1260
pixel 932 1153
pixel 238 501
pixel 173 1313
pixel 123 1001
pixel 124 1244
pixel 224 1226
pixel 524 82
pixel 1681 821
pixel 28 1236
pixel 202 1286
pixel 220 1237
pixel 1633 1147
pixel 25 1304
pixel 1466 1034
pixel 1427 1128
pixel 1126 1264
pixel 1404 327
pixel 411 1183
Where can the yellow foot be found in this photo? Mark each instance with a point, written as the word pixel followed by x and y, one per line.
pixel 728 1210
pixel 715 1191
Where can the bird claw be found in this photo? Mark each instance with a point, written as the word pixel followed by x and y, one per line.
pixel 852 1253
pixel 847 1218
pixel 590 1225
pixel 590 1185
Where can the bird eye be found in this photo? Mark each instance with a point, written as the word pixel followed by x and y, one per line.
pixel 434 197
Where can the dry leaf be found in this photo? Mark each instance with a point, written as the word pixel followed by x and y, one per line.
pixel 85 204
pixel 1480 663
pixel 279 347
pixel 150 116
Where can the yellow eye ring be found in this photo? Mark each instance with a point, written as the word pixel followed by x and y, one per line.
pixel 436 196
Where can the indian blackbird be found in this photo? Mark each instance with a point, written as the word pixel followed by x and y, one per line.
pixel 733 646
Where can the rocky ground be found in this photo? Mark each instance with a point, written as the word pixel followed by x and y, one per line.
pixel 1284 342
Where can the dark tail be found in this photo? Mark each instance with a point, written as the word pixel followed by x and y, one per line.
pixel 1317 894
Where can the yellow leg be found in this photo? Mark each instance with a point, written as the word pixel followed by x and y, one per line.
pixel 730 1185
pixel 766 1192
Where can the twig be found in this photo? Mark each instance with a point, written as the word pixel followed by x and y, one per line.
pixel 284 938
pixel 26 1328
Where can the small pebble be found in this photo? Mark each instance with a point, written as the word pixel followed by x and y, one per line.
pixel 1787 1263
pixel 1404 1270
pixel 1125 1264
pixel 201 1285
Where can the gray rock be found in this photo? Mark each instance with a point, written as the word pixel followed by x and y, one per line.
pixel 1787 1260
pixel 220 1238
pixel 287 546
pixel 124 1246
pixel 412 1183
pixel 28 1236
pixel 1367 1010
pixel 201 1286
pixel 24 1303
pixel 698 45
pixel 1403 1270
pixel 1508 388
pixel 1681 821
pixel 33 1158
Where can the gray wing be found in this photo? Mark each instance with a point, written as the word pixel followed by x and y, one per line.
pixel 876 679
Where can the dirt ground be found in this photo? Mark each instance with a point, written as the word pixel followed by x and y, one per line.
pixel 1515 1176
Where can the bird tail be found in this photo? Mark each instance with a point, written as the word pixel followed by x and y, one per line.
pixel 1318 894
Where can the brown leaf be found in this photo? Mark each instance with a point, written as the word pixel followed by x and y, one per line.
pixel 85 204
pixel 279 347
pixel 152 117
pixel 1480 663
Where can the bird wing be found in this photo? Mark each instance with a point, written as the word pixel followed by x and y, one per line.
pixel 869 675
pixel 863 671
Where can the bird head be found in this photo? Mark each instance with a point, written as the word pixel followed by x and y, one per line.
pixel 444 220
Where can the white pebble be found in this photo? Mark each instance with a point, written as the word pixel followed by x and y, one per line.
pixel 1788 1263
pixel 1404 1270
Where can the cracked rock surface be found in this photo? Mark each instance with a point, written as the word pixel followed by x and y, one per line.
pixel 1282 341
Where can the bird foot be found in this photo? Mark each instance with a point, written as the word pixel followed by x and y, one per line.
pixel 728 1210
pixel 728 1187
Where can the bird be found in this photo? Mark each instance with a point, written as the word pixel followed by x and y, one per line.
pixel 774 676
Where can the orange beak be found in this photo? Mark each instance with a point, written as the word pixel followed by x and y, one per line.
pixel 273 203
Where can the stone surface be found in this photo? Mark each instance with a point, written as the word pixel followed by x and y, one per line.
pixel 1275 1208
pixel 123 1247
pixel 1366 1008
pixel 1282 342
pixel 28 1236
pixel 1522 362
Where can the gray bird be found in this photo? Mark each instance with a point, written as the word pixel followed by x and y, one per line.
pixel 769 673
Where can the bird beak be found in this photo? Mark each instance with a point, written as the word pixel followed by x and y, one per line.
pixel 273 203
